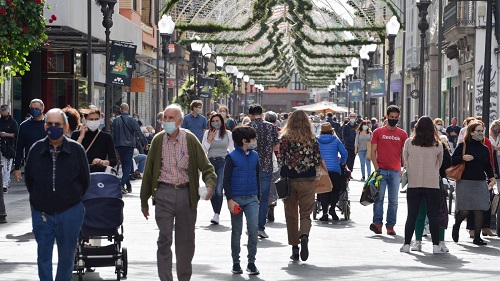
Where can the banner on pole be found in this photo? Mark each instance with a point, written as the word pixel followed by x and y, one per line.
pixel 121 63
pixel 342 98
pixel 376 82
pixel 205 86
pixel 355 91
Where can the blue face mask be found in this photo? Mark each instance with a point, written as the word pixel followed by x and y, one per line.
pixel 169 127
pixel 54 133
pixel 35 112
pixel 495 132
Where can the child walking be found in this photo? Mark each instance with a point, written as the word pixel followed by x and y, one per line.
pixel 241 186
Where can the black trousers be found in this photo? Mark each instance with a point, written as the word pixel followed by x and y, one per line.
pixel 414 197
pixel 331 198
pixel 351 156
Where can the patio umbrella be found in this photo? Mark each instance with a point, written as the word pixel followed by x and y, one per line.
pixel 323 106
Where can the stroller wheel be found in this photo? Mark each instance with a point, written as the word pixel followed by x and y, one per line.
pixel 125 261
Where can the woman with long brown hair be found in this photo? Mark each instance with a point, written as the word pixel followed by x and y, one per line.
pixel 472 190
pixel 299 156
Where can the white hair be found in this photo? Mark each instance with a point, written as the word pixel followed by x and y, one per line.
pixel 176 107
pixel 58 111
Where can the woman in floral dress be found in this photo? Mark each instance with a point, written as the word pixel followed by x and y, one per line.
pixel 299 157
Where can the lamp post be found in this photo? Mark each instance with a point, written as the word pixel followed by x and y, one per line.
pixel 107 9
pixel 195 52
pixel 365 58
pixel 331 87
pixel 166 26
pixel 239 77
pixel 206 52
pixel 246 79
pixel 392 29
pixel 355 65
pixel 423 25
pixel 348 72
pixel 252 83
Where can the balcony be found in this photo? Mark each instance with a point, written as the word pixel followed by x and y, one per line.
pixel 458 20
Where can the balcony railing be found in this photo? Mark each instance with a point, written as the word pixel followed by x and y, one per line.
pixel 458 14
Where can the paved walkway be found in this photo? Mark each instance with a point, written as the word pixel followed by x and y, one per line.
pixel 338 250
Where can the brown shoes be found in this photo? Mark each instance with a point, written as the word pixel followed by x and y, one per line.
pixel 390 230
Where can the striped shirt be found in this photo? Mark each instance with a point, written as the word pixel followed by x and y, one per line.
pixel 54 152
pixel 175 159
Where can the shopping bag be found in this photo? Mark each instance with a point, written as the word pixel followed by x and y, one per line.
pixel 371 189
pixel 323 184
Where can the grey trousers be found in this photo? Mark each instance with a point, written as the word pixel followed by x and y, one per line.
pixel 173 211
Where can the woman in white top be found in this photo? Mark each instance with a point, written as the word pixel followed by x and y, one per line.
pixel 217 142
pixel 495 139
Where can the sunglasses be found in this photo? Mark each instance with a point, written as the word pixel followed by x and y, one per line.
pixel 55 124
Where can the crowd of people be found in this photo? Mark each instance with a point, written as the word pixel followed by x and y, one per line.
pixel 240 159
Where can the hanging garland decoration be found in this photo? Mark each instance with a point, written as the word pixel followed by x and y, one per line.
pixel 298 45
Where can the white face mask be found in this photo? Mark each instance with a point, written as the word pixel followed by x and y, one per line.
pixel 93 125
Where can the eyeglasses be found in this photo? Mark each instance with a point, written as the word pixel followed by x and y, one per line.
pixel 439 124
pixel 55 124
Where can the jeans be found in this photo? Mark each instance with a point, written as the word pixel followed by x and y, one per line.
pixel 390 181
pixel 364 162
pixel 140 160
pixel 6 167
pixel 414 198
pixel 250 207
pixel 64 227
pixel 218 163
pixel 265 187
pixel 126 153
pixel 351 156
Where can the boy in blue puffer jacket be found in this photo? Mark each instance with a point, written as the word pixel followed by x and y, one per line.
pixel 242 189
pixel 330 146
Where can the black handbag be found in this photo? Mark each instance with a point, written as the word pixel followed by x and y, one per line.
pixel 283 187
pixel 7 150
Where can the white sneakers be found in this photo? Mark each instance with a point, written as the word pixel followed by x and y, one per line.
pixel 437 249
pixel 405 248
pixel 215 219
pixel 417 246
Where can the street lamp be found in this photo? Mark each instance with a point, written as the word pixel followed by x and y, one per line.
pixel 355 65
pixel 239 77
pixel 392 29
pixel 252 83
pixel 195 52
pixel 371 48
pixel 365 58
pixel 331 88
pixel 107 9
pixel 206 52
pixel 246 79
pixel 423 25
pixel 166 26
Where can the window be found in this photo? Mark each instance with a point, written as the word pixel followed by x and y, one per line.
pixel 296 85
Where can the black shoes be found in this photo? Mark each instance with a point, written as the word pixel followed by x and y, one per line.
pixel 304 252
pixel 324 217
pixel 454 232
pixel 295 253
pixel 479 241
pixel 236 269
pixel 333 214
pixel 252 269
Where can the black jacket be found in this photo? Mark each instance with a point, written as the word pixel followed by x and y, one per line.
pixel 9 125
pixel 72 176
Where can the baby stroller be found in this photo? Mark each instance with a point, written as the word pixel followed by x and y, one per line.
pixel 344 204
pixel 103 220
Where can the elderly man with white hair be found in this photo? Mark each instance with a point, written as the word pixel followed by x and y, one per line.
pixel 171 179
pixel 57 176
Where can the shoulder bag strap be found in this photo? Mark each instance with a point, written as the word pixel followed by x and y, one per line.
pixel 87 150
pixel 126 125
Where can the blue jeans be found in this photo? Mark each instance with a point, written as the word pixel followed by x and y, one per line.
pixel 218 163
pixel 265 187
pixel 126 153
pixel 250 207
pixel 390 181
pixel 363 161
pixel 140 161
pixel 64 227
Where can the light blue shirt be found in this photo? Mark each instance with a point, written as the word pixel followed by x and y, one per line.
pixel 195 124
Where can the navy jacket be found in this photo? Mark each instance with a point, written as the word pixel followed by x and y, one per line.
pixel 349 135
pixel 30 131
pixel 72 177
pixel 241 173
pixel 125 131
pixel 330 147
